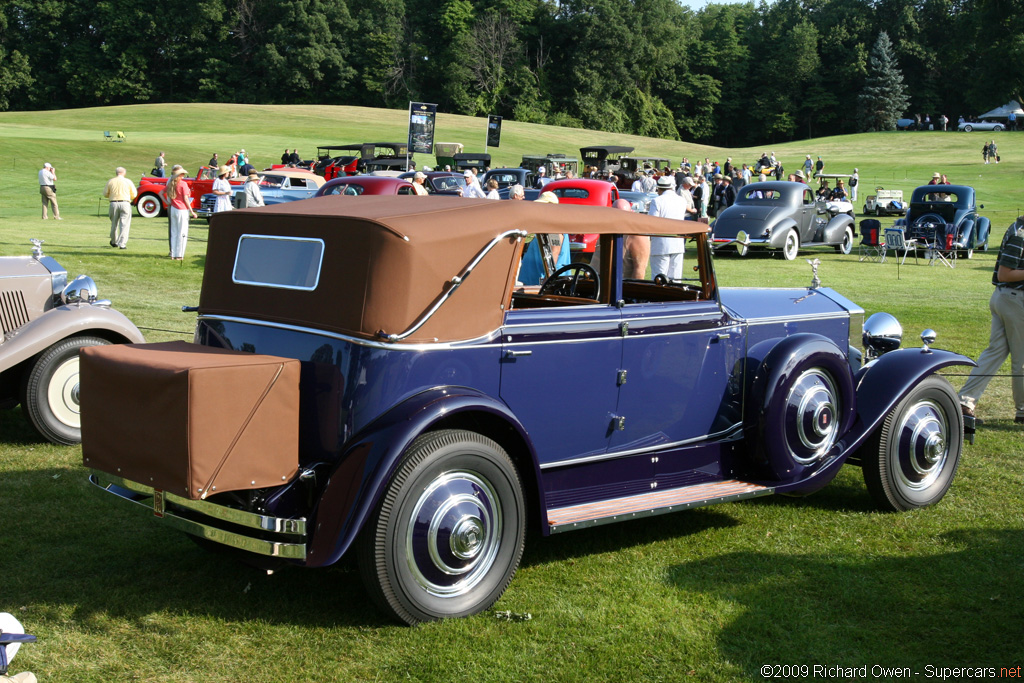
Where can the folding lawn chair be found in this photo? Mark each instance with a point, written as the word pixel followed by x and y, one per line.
pixel 872 247
pixel 107 136
pixel 896 240
pixel 11 635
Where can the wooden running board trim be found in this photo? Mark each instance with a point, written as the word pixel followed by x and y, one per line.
pixel 653 503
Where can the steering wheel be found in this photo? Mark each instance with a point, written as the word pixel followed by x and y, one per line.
pixel 568 287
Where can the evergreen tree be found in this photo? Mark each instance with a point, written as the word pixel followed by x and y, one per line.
pixel 884 96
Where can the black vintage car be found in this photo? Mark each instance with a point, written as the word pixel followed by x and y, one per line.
pixel 948 215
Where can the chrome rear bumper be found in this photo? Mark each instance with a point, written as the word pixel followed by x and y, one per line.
pixel 260 534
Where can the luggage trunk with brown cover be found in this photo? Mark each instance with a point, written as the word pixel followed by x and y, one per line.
pixel 191 420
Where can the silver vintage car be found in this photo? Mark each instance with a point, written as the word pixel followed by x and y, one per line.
pixel 45 320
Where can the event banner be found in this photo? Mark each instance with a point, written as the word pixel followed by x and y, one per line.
pixel 421 127
pixel 493 131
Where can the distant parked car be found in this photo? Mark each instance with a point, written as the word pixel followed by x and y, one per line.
pixel 45 320
pixel 781 216
pixel 951 210
pixel 440 182
pixel 150 204
pixel 885 202
pixel 968 126
pixel 356 185
pixel 587 192
pixel 283 185
pixel 507 177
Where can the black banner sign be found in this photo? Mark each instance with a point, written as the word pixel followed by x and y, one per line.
pixel 493 131
pixel 421 127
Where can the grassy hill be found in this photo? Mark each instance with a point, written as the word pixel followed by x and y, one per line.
pixel 711 594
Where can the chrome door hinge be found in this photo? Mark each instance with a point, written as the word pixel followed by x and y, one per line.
pixel 624 329
pixel 622 377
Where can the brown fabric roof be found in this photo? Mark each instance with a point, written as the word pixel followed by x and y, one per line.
pixel 388 259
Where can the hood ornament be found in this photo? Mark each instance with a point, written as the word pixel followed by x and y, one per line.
pixel 816 282
pixel 37 248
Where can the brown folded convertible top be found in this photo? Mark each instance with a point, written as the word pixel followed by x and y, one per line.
pixel 388 260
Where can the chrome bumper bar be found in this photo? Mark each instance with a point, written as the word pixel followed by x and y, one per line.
pixel 271 536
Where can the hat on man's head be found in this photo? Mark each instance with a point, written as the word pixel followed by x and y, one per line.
pixel 47 165
pixel 547 198
pixel 937 176
pixel 254 176
pixel 541 170
pixel 799 174
pixel 467 173
pixel 666 182
pixel 420 175
pixel 179 171
pixel 687 180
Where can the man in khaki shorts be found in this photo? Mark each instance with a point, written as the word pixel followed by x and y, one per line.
pixel 1007 336
pixel 121 192
pixel 48 190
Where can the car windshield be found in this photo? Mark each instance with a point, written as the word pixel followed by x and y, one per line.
pixel 449 183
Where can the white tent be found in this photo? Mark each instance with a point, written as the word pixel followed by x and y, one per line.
pixel 1004 111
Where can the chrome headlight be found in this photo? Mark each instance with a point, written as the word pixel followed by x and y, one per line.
pixel 82 288
pixel 882 333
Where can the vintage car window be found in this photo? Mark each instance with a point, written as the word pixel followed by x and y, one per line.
pixel 448 184
pixel 350 189
pixel 299 182
pixel 278 262
pixel 755 196
pixel 943 197
pixel 649 290
pixel 271 181
pixel 406 190
pixel 505 178
pixel 808 197
pixel 572 192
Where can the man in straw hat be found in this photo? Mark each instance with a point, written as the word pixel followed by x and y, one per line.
pixel 253 195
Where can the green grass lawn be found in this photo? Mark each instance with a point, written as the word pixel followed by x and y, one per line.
pixel 706 595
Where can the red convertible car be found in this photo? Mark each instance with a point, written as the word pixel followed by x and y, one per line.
pixel 150 204
pixel 588 192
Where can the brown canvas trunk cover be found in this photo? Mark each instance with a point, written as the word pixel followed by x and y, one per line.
pixel 189 419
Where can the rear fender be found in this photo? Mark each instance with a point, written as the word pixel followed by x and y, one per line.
pixel 984 225
pixel 883 383
pixel 779 232
pixel 369 461
pixel 837 227
pixel 74 320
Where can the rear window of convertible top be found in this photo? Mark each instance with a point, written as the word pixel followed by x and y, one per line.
pixel 279 262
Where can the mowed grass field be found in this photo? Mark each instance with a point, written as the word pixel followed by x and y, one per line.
pixel 711 594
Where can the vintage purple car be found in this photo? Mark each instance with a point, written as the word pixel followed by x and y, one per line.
pixel 368 378
pixel 782 216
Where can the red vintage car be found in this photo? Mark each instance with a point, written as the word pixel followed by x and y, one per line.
pixel 150 204
pixel 366 184
pixel 583 191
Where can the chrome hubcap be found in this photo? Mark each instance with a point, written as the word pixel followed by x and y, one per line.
pixel 922 445
pixel 812 409
pixel 454 533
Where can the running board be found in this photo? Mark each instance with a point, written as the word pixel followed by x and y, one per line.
pixel 653 503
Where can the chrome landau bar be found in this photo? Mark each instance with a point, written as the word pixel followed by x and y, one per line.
pixel 157 502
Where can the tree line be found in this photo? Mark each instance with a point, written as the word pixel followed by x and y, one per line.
pixel 729 75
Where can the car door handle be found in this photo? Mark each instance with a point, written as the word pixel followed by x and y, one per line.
pixel 509 353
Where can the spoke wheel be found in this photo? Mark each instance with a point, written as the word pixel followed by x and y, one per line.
pixel 50 394
pixel 911 460
pixel 447 536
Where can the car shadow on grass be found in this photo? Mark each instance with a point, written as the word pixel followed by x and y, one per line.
pixel 959 606
pixel 66 543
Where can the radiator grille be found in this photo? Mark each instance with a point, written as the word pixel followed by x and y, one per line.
pixel 13 313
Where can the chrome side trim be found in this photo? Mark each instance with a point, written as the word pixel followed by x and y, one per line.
pixel 724 434
pixel 456 282
pixel 427 346
pixel 147 498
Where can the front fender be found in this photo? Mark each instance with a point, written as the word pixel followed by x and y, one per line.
pixel 371 458
pixel 67 321
pixel 883 383
pixel 836 228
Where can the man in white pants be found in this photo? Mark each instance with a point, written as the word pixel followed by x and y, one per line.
pixel 667 252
